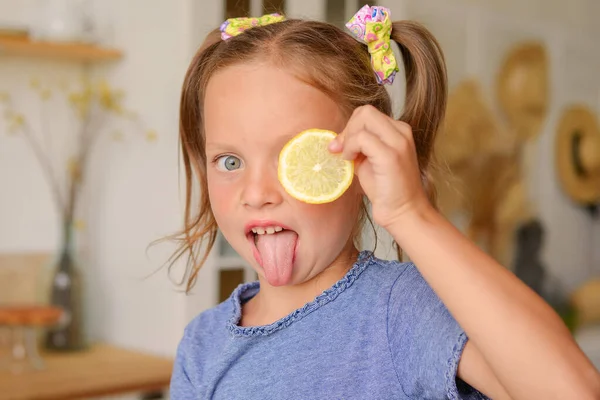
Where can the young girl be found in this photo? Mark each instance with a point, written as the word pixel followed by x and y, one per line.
pixel 325 320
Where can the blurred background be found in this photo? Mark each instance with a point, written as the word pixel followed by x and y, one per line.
pixel 89 172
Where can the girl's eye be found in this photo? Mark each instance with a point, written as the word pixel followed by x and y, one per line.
pixel 228 163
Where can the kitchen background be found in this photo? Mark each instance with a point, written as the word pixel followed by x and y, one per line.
pixel 89 95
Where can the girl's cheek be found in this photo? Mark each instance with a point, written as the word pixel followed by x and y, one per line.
pixel 216 190
pixel 223 194
pixel 313 214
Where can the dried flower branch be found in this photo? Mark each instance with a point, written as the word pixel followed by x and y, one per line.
pixel 93 105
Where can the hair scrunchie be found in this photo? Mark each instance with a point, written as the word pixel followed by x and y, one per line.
pixel 373 26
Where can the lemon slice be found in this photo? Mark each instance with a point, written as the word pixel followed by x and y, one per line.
pixel 309 172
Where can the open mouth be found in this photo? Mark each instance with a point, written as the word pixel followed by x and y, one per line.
pixel 254 231
pixel 269 230
pixel 274 248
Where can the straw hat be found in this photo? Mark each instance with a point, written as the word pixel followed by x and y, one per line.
pixel 522 88
pixel 578 155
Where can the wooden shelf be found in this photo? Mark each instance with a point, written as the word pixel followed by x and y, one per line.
pixel 24 47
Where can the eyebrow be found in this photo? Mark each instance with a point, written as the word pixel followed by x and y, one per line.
pixel 218 145
pixel 233 147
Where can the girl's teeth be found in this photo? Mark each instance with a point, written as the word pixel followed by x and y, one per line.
pixel 268 230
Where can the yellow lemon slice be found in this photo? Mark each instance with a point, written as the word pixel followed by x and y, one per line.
pixel 309 172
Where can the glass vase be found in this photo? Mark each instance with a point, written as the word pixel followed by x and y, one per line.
pixel 66 292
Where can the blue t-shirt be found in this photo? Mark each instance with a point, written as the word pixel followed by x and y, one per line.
pixel 378 333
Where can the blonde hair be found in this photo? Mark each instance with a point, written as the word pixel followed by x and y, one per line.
pixel 327 58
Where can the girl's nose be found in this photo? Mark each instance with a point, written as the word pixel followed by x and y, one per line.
pixel 262 188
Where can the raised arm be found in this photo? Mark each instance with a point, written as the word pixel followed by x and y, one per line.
pixel 514 335
pixel 518 346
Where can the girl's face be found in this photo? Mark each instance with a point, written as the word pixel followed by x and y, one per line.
pixel 250 112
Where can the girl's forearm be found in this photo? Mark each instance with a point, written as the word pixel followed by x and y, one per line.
pixel 523 340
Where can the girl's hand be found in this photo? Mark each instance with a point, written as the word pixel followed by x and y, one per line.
pixel 385 162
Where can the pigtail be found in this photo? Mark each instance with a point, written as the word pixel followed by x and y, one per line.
pixel 200 227
pixel 426 94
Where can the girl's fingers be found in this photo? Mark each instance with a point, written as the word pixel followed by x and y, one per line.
pixel 367 143
pixel 393 133
pixel 336 145
pixel 389 131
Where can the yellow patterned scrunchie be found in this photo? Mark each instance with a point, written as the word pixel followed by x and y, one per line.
pixel 373 26
pixel 235 26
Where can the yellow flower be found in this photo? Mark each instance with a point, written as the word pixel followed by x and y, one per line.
pixel 109 98
pixel 18 119
pixel 81 101
pixel 74 169
pixel 15 121
pixel 79 225
pixel 151 136
pixel 34 83
pixel 4 97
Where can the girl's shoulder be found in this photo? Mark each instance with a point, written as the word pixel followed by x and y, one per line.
pixel 407 288
pixel 209 323
pixel 392 273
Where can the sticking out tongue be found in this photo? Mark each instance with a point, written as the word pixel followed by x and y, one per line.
pixel 277 254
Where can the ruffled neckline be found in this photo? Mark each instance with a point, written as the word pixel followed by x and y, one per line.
pixel 246 291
